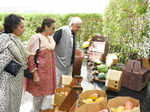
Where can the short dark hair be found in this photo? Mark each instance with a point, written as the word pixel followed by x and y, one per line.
pixel 11 22
pixel 46 22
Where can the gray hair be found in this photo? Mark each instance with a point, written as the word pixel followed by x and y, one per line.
pixel 75 20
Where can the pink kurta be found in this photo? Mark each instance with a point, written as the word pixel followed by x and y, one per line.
pixel 46 68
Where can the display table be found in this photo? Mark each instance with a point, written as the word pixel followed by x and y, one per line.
pixel 143 96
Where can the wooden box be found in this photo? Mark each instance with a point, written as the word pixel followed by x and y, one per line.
pixel 70 99
pixel 113 80
pixel 135 77
pixel 99 48
pixel 78 63
pixel 60 95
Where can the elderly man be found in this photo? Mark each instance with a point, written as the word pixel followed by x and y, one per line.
pixel 65 38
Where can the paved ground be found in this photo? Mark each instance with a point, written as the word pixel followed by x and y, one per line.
pixel 27 98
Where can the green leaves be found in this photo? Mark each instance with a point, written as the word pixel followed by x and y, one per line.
pixel 92 23
pixel 126 24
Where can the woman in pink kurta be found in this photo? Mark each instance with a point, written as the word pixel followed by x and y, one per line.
pixel 44 76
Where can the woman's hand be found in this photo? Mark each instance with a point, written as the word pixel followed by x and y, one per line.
pixel 36 78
